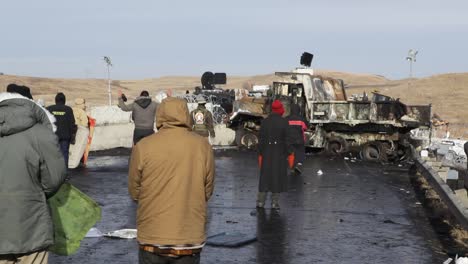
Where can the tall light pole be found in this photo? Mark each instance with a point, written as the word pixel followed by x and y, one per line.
pixel 411 58
pixel 109 64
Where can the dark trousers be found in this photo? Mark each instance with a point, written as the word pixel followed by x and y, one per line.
pixel 145 257
pixel 139 133
pixel 65 147
pixel 299 153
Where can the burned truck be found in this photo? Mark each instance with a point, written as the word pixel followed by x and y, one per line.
pixel 375 126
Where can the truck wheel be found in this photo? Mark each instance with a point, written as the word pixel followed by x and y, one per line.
pixel 336 146
pixel 246 139
pixel 249 140
pixel 371 151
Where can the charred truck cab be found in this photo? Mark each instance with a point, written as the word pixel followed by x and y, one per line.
pixel 377 127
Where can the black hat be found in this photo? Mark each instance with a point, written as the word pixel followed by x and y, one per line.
pixel 19 89
pixel 60 98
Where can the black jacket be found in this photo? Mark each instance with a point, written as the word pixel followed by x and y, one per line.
pixel 274 147
pixel 297 126
pixel 66 127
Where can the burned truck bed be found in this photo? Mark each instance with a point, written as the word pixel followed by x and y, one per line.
pixel 377 127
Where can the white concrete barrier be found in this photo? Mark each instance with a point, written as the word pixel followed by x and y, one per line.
pixel 112 136
pixel 114 128
pixel 110 115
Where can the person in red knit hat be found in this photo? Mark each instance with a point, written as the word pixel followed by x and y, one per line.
pixel 274 150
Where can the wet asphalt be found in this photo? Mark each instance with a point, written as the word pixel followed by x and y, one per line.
pixel 355 212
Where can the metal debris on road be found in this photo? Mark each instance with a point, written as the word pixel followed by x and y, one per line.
pixel 94 232
pixel 122 233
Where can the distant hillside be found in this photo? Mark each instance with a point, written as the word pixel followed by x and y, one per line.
pixel 448 93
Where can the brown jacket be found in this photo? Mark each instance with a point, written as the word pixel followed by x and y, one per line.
pixel 171 176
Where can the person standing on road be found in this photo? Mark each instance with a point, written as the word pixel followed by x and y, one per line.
pixel 171 177
pixel 143 113
pixel 274 150
pixel 79 111
pixel 297 127
pixel 66 127
pixel 202 119
pixel 32 169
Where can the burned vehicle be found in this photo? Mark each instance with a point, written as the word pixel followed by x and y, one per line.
pixel 221 97
pixel 378 127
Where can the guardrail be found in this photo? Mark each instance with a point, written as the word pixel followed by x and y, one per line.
pixel 449 197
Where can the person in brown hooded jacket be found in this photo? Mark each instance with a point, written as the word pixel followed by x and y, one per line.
pixel 171 177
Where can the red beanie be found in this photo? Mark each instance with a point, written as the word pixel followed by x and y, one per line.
pixel 277 107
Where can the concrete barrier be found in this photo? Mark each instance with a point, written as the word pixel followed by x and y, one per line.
pixel 454 201
pixel 112 136
pixel 114 128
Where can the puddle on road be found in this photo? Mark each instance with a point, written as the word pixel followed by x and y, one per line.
pixel 107 162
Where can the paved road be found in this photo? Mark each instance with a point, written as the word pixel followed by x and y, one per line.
pixel 354 213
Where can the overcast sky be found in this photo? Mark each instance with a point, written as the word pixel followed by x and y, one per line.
pixel 149 38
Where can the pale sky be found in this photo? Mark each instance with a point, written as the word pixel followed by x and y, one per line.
pixel 149 38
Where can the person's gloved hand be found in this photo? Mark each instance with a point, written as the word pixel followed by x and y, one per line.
pixel 122 95
pixel 291 160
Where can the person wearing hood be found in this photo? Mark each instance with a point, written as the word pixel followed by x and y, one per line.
pixel 274 150
pixel 171 177
pixel 297 127
pixel 29 175
pixel 79 111
pixel 143 113
pixel 66 127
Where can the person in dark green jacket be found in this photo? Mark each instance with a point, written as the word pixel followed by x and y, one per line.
pixel 202 119
pixel 32 168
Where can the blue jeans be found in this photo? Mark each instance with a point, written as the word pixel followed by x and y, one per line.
pixel 64 147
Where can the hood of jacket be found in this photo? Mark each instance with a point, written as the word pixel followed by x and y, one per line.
pixel 143 101
pixel 18 113
pixel 172 112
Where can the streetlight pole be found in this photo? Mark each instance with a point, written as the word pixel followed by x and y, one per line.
pixel 109 64
pixel 411 58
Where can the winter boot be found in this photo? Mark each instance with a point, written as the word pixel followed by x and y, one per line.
pixel 298 169
pixel 261 197
pixel 275 201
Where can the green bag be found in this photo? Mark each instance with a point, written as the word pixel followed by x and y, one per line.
pixel 73 214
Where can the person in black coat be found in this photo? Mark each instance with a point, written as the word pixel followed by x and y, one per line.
pixel 297 127
pixel 66 127
pixel 274 150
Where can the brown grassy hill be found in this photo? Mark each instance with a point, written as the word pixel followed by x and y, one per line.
pixel 448 93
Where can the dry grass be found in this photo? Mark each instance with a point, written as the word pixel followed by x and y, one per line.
pixel 448 93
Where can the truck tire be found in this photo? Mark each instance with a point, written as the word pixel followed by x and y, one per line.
pixel 246 139
pixel 372 151
pixel 336 146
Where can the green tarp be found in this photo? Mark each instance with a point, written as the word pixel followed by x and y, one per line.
pixel 73 214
